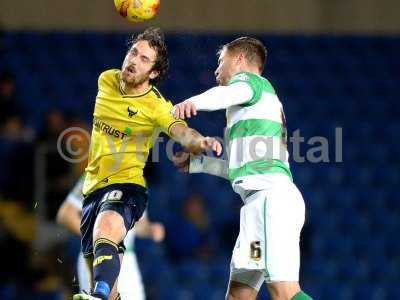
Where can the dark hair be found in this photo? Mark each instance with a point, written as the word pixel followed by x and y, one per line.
pixel 155 38
pixel 253 50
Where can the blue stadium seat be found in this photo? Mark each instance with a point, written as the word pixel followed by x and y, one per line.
pixel 334 290
pixel 192 272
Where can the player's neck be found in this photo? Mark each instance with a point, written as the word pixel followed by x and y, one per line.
pixel 250 69
pixel 135 89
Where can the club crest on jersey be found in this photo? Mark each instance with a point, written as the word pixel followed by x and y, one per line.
pixel 132 111
pixel 243 77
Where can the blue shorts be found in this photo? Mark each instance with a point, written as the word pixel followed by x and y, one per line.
pixel 127 199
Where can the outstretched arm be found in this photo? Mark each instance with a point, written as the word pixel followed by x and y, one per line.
pixel 220 97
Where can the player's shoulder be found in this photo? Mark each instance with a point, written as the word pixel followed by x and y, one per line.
pixel 109 73
pixel 109 76
pixel 158 97
pixel 255 81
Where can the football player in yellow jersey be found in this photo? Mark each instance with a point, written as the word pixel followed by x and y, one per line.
pixel 129 113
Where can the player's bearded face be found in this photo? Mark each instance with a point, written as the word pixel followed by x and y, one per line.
pixel 226 67
pixel 138 64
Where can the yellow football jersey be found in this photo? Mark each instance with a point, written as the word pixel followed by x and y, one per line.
pixel 124 129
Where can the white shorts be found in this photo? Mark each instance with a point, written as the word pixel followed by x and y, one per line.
pixel 267 248
pixel 130 285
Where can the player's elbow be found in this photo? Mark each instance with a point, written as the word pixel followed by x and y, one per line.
pixel 177 130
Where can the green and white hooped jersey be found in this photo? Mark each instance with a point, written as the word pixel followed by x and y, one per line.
pixel 256 135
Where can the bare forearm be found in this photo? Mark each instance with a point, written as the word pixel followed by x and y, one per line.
pixel 73 225
pixel 193 141
pixel 189 138
pixel 70 218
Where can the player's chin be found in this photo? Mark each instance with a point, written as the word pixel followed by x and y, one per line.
pixel 129 79
pixel 220 81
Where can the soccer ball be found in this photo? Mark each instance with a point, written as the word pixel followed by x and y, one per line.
pixel 137 10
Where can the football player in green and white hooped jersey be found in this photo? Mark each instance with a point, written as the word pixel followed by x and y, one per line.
pixel 267 248
pixel 130 285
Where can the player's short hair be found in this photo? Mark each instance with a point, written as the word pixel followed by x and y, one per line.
pixel 155 38
pixel 253 50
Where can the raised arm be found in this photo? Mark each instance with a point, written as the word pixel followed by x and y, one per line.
pixel 178 130
pixel 216 98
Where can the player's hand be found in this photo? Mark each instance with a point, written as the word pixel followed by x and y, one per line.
pixel 157 232
pixel 181 160
pixel 209 143
pixel 185 109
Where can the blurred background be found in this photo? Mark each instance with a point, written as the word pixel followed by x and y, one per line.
pixel 335 64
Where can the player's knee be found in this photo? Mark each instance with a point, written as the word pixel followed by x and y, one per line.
pixel 230 295
pixel 240 291
pixel 239 296
pixel 109 225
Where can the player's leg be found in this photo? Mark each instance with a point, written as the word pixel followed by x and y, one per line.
pixel 107 215
pixel 89 209
pixel 284 218
pixel 83 273
pixel 88 270
pixel 130 285
pixel 115 295
pixel 284 290
pixel 247 266
pixel 121 206
pixel 109 230
pixel 244 286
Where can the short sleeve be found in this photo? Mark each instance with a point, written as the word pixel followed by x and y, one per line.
pixel 164 118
